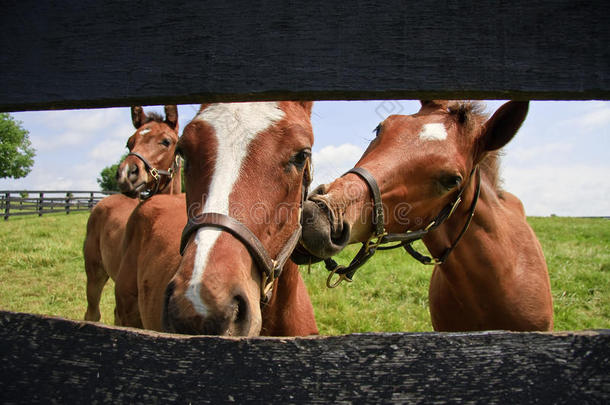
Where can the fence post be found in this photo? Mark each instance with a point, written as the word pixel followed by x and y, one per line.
pixel 68 203
pixel 7 206
pixel 39 204
pixel 90 201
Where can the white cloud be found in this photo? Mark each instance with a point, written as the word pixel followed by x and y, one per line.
pixel 121 131
pixel 577 190
pixel 61 129
pixel 49 143
pixel 83 121
pixel 597 118
pixel 332 161
pixel 41 178
pixel 583 117
pixel 537 152
pixel 108 151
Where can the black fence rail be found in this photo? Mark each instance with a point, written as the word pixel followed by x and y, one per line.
pixel 26 202
pixel 47 359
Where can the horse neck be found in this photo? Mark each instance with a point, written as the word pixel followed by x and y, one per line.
pixel 496 277
pixel 481 253
pixel 175 185
pixel 289 311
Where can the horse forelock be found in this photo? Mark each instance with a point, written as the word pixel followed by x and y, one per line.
pixel 153 117
pixel 471 115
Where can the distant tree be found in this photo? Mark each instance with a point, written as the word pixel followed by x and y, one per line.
pixel 107 179
pixel 16 151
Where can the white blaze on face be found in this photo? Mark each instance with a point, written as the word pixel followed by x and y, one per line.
pixel 145 131
pixel 433 132
pixel 235 126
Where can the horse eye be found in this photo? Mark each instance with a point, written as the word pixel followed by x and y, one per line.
pixel 451 181
pixel 166 142
pixel 301 157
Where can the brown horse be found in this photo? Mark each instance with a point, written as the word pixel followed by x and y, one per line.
pixel 436 173
pixel 150 164
pixel 246 169
pixel 154 142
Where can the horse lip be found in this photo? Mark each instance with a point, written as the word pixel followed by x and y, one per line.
pixel 138 188
pixel 319 236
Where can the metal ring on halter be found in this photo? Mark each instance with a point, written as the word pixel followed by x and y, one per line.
pixel 342 277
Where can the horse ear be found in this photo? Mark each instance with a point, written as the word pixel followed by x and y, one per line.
pixel 137 116
pixel 203 107
pixel 434 104
pixel 307 105
pixel 171 116
pixel 502 126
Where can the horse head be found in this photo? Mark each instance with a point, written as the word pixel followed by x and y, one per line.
pixel 246 171
pixel 421 164
pixel 150 165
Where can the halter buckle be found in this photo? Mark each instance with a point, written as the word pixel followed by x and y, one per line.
pixel 266 287
pixel 154 173
pixel 373 245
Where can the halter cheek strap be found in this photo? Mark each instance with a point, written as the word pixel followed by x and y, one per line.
pixel 156 174
pixel 271 269
pixel 405 239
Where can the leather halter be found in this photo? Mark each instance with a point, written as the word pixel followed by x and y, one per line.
pixel 157 174
pixel 271 268
pixel 405 239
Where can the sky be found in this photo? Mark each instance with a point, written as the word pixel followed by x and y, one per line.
pixel 558 163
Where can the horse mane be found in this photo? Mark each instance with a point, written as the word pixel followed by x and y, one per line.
pixel 472 115
pixel 154 116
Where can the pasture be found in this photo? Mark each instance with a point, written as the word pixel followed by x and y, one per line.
pixel 41 272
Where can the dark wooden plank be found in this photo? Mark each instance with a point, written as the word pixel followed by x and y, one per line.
pixel 47 359
pixel 86 53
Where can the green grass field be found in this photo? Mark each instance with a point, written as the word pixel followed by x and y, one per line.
pixel 41 271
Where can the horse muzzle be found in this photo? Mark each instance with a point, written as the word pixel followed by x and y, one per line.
pixel 232 317
pixel 131 178
pixel 322 237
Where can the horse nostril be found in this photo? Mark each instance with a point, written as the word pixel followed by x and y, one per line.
pixel 240 314
pixel 134 170
pixel 340 236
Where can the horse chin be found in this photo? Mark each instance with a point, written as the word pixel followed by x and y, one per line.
pixel 300 256
pixel 130 190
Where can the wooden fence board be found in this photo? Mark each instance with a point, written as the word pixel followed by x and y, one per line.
pixel 86 53
pixel 67 201
pixel 48 359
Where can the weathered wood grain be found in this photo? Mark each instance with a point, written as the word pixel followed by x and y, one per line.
pixel 86 53
pixel 52 360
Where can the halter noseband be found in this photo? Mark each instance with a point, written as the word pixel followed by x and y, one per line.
pixel 405 239
pixel 157 174
pixel 271 268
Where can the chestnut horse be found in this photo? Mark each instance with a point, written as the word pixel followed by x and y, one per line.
pixel 246 172
pixel 434 175
pixel 152 146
